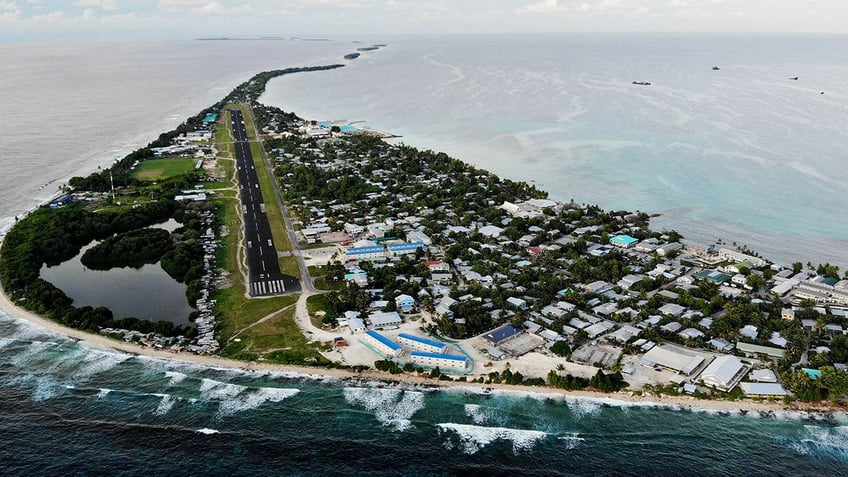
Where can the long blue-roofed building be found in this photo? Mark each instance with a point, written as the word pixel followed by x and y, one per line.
pixel 418 343
pixel 382 345
pixel 374 252
pixel 404 248
pixel 442 361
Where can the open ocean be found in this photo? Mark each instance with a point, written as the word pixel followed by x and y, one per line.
pixel 740 153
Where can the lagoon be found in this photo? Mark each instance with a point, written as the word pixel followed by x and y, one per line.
pixel 146 293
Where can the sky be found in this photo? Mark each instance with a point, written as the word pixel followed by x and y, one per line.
pixel 25 20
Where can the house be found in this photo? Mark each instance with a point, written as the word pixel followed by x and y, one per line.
pixel 356 325
pixel 405 303
pixel 763 390
pixel 517 302
pixel 672 309
pixel 691 334
pixel 437 266
pixel 749 331
pixel 762 376
pixel 623 241
pixel 721 345
pixel 385 320
pixel 492 231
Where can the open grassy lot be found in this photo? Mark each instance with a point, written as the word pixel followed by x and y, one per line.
pixel 276 340
pixel 158 169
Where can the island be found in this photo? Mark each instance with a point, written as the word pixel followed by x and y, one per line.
pixel 303 243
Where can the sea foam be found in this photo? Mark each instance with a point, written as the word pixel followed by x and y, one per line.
pixel 392 407
pixel 175 377
pixel 165 404
pixel 251 400
pixel 473 438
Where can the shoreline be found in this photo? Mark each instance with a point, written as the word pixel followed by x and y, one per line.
pixel 623 398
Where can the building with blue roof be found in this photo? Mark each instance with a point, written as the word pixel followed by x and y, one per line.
pixel 624 241
pixel 442 361
pixel 418 343
pixel 374 252
pixel 405 248
pixel 382 345
pixel 499 335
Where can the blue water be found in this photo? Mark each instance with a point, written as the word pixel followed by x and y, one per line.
pixel 71 410
pixel 742 154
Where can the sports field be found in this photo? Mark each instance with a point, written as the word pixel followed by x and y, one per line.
pixel 158 169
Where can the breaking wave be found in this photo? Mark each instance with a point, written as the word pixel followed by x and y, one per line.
pixel 474 438
pixel 392 407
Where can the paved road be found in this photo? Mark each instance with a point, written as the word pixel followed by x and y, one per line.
pixel 263 265
pixel 305 278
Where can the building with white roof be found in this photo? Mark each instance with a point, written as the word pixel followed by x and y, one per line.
pixel 763 389
pixel 724 373
pixel 679 360
pixel 356 325
pixel 762 376
pixel 385 320
pixel 442 361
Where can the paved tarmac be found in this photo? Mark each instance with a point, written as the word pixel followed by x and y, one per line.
pixel 263 263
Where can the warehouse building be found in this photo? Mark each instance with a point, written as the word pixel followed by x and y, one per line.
pixel 679 360
pixel 724 373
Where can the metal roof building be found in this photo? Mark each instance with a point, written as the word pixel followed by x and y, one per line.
pixel 499 335
pixel 381 344
pixel 422 344
pixel 724 373
pixel 672 358
pixel 443 361
pixel 763 389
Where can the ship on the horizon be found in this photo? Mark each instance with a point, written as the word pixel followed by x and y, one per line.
pixel 642 83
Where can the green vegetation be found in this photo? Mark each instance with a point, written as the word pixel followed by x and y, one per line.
pixel 131 249
pixel 275 340
pixel 51 236
pixel 158 169
pixel 319 311
pixel 600 381
pixel 389 366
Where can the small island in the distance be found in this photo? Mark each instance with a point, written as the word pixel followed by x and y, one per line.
pixel 425 268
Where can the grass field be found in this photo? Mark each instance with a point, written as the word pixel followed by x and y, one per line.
pixel 158 169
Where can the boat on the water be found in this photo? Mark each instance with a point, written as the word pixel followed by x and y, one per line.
pixel 642 83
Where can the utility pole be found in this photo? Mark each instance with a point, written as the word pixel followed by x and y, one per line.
pixel 112 182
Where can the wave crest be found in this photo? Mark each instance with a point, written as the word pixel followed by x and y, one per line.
pixel 392 407
pixel 473 438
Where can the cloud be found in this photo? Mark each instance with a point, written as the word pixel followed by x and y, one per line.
pixel 9 11
pixel 102 4
pixel 215 8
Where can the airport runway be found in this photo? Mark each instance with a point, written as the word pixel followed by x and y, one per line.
pixel 263 264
